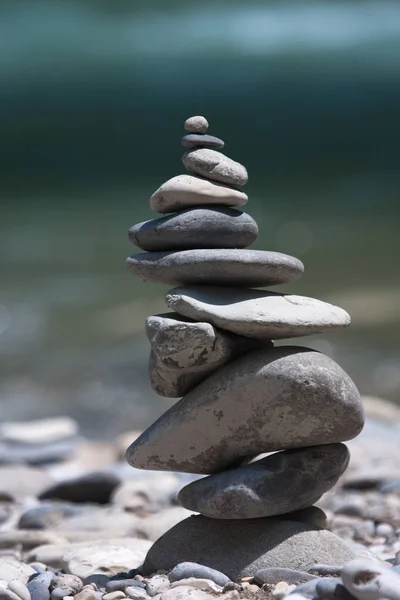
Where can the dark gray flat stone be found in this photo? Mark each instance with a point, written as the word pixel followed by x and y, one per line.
pixel 208 227
pixel 195 140
pixel 215 166
pixel 95 487
pixel 242 548
pixel 274 399
pixel 185 352
pixel 275 485
pixel 257 313
pixel 274 575
pixel 216 267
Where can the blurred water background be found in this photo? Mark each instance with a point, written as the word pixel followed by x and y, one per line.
pixel 93 95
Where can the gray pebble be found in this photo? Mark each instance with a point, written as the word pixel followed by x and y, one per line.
pixel 305 378
pixel 257 313
pixel 196 124
pixel 223 267
pixel 368 580
pixel 67 581
pixel 20 589
pixel 60 592
pixel 157 584
pixel 312 514
pixel 87 593
pixel 195 140
pixel 332 589
pixel 274 575
pixel 121 584
pixel 384 530
pixel 47 516
pixel 215 166
pixel 208 227
pixel 99 579
pixel 117 595
pixel 307 589
pixel 189 569
pixel 136 592
pixel 39 586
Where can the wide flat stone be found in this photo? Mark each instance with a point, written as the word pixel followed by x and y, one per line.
pixel 257 313
pixel 268 400
pixel 216 267
pixel 275 485
pixel 185 352
pixel 208 227
pixel 186 191
pixel 195 140
pixel 244 547
pixel 215 166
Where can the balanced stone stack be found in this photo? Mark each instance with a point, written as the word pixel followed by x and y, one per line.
pixel 242 397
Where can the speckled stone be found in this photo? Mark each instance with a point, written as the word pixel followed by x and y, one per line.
pixel 275 485
pixel 257 313
pixel 216 267
pixel 215 166
pixel 187 191
pixel 184 352
pixel 273 399
pixel 208 227
pixel 196 124
pixel 194 140
pixel 244 547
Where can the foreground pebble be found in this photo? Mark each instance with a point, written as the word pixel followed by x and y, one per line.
pixel 370 581
pixel 215 166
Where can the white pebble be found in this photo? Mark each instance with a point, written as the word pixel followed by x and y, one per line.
pixel 196 124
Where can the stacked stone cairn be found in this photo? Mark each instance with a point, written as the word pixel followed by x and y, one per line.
pixel 242 397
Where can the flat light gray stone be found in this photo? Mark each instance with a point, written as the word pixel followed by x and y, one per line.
pixel 208 227
pixel 257 313
pixel 242 548
pixel 195 140
pixel 281 483
pixel 187 191
pixel 216 267
pixel 273 399
pixel 185 352
pixel 215 166
pixel 197 124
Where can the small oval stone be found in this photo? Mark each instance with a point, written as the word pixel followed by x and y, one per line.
pixel 215 166
pixel 197 124
pixel 208 227
pixel 275 575
pixel 187 570
pixel 224 267
pixel 328 589
pixel 194 140
pixel 188 191
pixel 280 483
pixel 117 595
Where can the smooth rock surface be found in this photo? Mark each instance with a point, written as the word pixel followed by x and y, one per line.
pixel 367 580
pixel 215 166
pixel 281 483
pixel 223 267
pixel 108 560
pixel 20 481
pixel 242 548
pixel 95 487
pixel 11 569
pixel 191 569
pixel 195 140
pixel 187 191
pixel 185 352
pixel 39 587
pixel 256 313
pixel 39 431
pixel 274 575
pixel 48 515
pixel 29 539
pixel 197 124
pixel 273 399
pixel 204 227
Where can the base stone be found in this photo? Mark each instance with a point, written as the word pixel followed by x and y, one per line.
pixel 241 548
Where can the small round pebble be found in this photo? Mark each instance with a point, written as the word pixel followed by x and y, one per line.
pixel 194 140
pixel 121 584
pixel 135 593
pixel 189 569
pixel 99 579
pixel 196 124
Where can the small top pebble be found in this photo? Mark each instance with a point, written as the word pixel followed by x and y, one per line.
pixel 196 125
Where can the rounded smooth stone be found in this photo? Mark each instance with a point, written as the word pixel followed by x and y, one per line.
pixel 20 589
pixel 280 483
pixel 367 580
pixel 244 547
pixel 208 227
pixel 95 487
pixel 187 191
pixel 194 140
pixel 47 515
pixel 216 267
pixel 215 166
pixel 273 399
pixel 39 587
pixel 328 589
pixel 257 313
pixel 190 569
pixel 197 124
